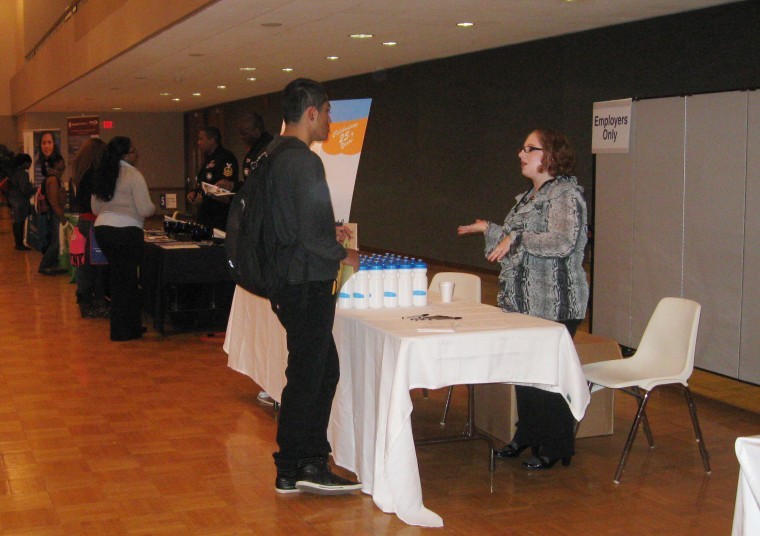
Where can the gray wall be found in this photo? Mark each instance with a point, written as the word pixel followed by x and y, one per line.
pixel 688 225
pixel 442 139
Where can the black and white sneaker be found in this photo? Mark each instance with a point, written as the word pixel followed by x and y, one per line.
pixel 285 485
pixel 317 478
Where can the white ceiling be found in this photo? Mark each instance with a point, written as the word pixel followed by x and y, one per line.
pixel 209 48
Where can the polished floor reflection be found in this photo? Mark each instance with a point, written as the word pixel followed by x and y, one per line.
pixel 158 436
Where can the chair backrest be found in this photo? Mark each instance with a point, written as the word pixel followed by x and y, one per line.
pixel 466 286
pixel 670 339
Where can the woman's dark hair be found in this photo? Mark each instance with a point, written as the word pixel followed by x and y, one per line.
pixel 104 185
pixel 21 159
pixel 559 155
pixel 52 161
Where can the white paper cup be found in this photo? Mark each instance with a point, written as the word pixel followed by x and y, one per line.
pixel 447 290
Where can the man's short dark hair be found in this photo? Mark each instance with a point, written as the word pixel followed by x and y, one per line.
pixel 213 133
pixel 252 120
pixel 299 95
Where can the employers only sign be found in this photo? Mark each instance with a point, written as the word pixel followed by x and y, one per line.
pixel 611 126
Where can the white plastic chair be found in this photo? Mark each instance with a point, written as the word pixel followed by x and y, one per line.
pixel 467 287
pixel 665 356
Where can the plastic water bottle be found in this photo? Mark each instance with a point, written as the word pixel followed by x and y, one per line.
pixel 405 284
pixel 419 284
pixel 361 287
pixel 376 286
pixel 346 294
pixel 390 284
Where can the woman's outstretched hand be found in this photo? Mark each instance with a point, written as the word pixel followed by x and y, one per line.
pixel 480 226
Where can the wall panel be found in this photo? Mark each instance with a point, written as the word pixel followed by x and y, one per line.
pixel 716 141
pixel 658 208
pixel 749 352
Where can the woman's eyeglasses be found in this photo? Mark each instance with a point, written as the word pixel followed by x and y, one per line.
pixel 529 149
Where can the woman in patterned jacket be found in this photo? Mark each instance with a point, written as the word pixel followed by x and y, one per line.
pixel 540 249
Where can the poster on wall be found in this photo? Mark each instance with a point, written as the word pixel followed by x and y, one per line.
pixel 611 126
pixel 46 144
pixel 342 150
pixel 80 129
pixel 340 153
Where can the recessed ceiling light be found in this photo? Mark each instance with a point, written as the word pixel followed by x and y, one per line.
pixel 465 24
pixel 176 99
pixel 332 58
pixel 165 94
pixel 221 87
pixel 251 79
pixel 248 68
pixel 390 43
pixel 116 109
pixel 361 36
pixel 288 69
pixel 196 94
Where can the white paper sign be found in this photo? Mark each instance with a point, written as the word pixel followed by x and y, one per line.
pixel 611 126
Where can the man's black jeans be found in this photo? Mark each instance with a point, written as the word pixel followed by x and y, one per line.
pixel 312 373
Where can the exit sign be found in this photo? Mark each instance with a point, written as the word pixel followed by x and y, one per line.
pixel 107 124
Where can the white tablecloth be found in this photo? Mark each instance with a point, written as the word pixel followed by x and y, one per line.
pixel 747 511
pixel 383 356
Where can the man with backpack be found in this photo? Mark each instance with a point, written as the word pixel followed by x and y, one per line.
pixel 305 305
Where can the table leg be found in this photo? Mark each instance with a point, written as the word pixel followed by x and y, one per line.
pixel 471 432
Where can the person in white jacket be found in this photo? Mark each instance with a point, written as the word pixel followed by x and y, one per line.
pixel 121 202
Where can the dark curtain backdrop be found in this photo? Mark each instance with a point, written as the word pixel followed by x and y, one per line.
pixel 441 146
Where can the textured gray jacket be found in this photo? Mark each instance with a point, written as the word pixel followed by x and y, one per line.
pixel 542 275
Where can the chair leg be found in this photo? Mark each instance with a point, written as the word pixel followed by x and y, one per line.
pixel 446 406
pixel 647 429
pixel 697 430
pixel 631 436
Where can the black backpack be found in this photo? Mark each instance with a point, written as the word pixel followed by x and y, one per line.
pixel 256 260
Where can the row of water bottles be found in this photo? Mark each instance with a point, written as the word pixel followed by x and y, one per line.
pixel 385 280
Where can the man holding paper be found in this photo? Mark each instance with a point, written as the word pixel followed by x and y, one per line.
pixel 219 170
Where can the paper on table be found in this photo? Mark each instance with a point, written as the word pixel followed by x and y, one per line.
pixel 215 191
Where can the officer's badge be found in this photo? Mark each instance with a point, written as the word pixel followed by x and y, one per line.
pixel 209 175
pixel 228 170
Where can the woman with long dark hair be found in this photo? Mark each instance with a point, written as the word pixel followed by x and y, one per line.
pixel 55 194
pixel 121 201
pixel 90 277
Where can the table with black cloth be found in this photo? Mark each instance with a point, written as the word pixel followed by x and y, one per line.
pixel 171 269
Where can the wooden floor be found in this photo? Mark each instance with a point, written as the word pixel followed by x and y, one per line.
pixel 158 436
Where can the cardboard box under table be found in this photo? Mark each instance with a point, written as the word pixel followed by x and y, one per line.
pixel 496 410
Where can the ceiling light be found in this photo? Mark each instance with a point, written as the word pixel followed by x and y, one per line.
pixel 332 58
pixel 288 69
pixel 116 109
pixel 361 36
pixel 221 87
pixel 196 94
pixel 248 68
pixel 165 94
pixel 251 79
pixel 465 24
pixel 390 43
pixel 176 99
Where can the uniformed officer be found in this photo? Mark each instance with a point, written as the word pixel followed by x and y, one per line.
pixel 220 168
pixel 255 138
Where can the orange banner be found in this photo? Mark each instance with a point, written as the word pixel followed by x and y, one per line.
pixel 346 137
